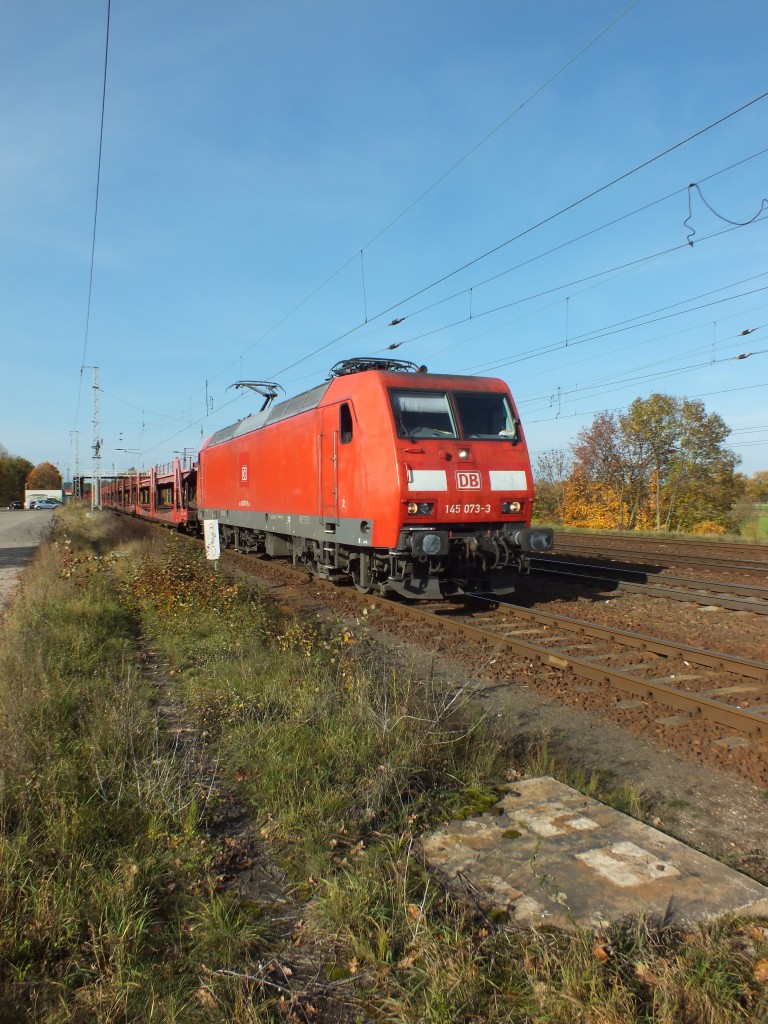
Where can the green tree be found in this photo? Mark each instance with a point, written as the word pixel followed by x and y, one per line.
pixel 702 481
pixel 13 473
pixel 44 476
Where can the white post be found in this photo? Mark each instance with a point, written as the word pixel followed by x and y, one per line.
pixel 212 545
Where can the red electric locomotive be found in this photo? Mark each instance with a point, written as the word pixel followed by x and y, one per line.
pixel 405 481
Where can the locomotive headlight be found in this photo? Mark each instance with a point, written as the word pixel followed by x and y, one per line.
pixel 422 508
pixel 463 453
pixel 510 507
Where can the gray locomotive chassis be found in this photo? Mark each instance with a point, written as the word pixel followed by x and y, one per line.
pixel 342 531
pixel 349 532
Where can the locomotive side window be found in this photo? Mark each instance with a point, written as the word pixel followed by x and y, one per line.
pixel 422 414
pixel 345 424
pixel 485 415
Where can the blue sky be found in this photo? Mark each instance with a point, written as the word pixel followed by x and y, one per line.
pixel 280 179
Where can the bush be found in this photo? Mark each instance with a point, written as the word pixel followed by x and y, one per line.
pixel 708 528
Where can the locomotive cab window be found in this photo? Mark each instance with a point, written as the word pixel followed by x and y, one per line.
pixel 422 414
pixel 486 416
pixel 345 424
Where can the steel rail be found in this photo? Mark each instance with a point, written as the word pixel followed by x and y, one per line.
pixel 683 582
pixel 656 589
pixel 667 556
pixel 741 719
pixel 640 641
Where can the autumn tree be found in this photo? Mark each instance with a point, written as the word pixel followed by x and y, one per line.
pixel 603 458
pixel 552 472
pixel 13 473
pixel 756 487
pixel 44 477
pixel 664 457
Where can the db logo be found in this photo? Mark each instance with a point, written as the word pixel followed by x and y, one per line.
pixel 468 481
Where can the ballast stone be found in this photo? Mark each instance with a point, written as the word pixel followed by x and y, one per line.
pixel 548 855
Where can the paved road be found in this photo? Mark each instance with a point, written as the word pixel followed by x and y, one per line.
pixel 20 535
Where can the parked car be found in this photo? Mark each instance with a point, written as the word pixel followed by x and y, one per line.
pixel 45 503
pixel 16 506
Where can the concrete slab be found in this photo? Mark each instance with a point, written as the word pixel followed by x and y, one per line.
pixel 548 855
pixel 737 688
pixel 676 720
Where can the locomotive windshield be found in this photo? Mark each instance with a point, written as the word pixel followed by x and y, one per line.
pixel 422 414
pixel 485 415
pixel 482 415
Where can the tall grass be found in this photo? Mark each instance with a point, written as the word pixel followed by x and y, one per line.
pixel 99 831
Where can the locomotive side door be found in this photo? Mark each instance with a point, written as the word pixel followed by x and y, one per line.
pixel 328 465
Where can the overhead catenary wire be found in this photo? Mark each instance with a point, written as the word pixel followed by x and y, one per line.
pixel 623 408
pixel 95 216
pixel 601 333
pixel 595 192
pixel 583 391
pixel 629 324
pixel 577 339
pixel 389 310
pixel 372 319
pixel 742 314
pixel 594 231
pixel 577 202
pixel 696 186
pixel 430 188
pixel 505 121
pixel 582 386
pixel 527 262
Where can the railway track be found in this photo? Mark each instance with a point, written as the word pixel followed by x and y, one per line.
pixel 730 558
pixel 699 701
pixel 631 669
pixel 728 691
pixel 735 596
